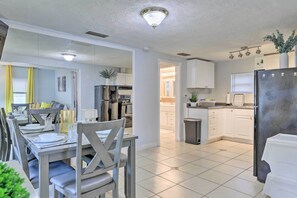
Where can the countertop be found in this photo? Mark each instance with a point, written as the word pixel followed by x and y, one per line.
pixel 224 107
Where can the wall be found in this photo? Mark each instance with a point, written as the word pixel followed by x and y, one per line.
pixel 67 97
pixel 43 89
pixel 146 111
pixel 88 75
pixel 223 71
pixel 44 85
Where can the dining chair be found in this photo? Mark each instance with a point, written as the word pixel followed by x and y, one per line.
pixel 5 137
pixel 16 107
pixel 37 114
pixel 94 180
pixel 31 168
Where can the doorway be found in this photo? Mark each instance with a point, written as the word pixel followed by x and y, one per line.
pixel 167 103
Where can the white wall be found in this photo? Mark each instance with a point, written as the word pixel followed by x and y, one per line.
pixel 67 97
pixel 2 86
pixel 44 85
pixel 146 111
pixel 223 71
pixel 88 75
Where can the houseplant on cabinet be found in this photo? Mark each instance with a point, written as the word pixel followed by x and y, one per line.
pixel 194 99
pixel 282 47
pixel 109 75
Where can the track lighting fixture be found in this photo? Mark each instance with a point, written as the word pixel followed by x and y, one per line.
pixel 247 53
pixel 231 56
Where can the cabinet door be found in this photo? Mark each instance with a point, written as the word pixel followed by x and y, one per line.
pixel 228 123
pixel 200 74
pixel 243 124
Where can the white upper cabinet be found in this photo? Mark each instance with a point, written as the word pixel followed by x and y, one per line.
pixel 200 74
pixel 124 79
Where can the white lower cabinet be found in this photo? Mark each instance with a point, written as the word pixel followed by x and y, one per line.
pixel 243 124
pixel 167 117
pixel 230 123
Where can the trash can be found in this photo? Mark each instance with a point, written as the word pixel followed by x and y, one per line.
pixel 193 130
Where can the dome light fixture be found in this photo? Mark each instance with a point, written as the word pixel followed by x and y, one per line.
pixel 154 15
pixel 68 57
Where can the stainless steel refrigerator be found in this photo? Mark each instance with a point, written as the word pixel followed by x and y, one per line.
pixel 106 102
pixel 275 111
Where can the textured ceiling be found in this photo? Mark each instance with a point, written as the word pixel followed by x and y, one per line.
pixel 36 45
pixel 204 28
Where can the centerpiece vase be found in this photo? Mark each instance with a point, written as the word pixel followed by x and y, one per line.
pixel 284 60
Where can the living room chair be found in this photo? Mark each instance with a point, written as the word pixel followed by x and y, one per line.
pixel 5 137
pixel 17 107
pixel 94 180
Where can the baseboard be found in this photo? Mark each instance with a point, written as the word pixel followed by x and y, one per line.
pixel 146 146
pixel 238 140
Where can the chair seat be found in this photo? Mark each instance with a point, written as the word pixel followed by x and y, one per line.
pixel 55 169
pixel 123 158
pixel 67 182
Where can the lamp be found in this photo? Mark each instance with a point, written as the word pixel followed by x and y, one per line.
pixel 247 53
pixel 154 15
pixel 68 57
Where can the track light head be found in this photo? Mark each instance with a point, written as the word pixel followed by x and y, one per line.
pixel 240 55
pixel 248 53
pixel 258 51
pixel 231 56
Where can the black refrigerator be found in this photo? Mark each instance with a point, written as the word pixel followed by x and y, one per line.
pixel 275 111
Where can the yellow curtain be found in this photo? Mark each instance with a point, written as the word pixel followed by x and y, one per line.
pixel 8 88
pixel 30 85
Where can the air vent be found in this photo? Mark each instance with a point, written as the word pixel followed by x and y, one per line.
pixel 97 34
pixel 183 54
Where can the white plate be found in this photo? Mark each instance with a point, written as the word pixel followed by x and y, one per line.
pixel 33 127
pixel 58 138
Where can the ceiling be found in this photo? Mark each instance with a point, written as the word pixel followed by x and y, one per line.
pixel 36 45
pixel 206 29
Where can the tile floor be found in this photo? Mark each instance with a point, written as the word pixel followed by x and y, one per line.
pixel 221 169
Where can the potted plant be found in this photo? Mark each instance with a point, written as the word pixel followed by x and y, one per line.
pixel 109 75
pixel 194 99
pixel 282 47
pixel 11 183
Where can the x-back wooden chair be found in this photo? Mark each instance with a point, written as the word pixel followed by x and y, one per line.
pixel 5 137
pixel 38 113
pixel 94 180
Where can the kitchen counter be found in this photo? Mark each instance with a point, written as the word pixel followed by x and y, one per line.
pixel 223 107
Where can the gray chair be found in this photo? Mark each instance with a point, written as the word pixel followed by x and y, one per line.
pixel 5 137
pixel 16 107
pixel 32 168
pixel 94 180
pixel 38 113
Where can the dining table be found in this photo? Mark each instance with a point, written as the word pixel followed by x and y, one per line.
pixel 47 153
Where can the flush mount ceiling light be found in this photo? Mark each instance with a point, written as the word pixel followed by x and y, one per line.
pixel 68 57
pixel 247 53
pixel 154 15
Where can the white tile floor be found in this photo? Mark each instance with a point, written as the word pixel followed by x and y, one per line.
pixel 218 170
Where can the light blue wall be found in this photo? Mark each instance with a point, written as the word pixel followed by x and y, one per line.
pixel 65 98
pixel 44 85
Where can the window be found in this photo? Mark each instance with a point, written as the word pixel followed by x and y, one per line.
pixel 19 90
pixel 242 83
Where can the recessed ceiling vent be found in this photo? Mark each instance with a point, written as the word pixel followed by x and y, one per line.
pixel 183 54
pixel 97 34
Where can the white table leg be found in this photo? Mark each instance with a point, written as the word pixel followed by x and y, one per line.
pixel 43 177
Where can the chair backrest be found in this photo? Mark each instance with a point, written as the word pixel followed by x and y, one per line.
pixel 5 137
pixel 16 107
pixel 18 144
pixel 38 113
pixel 101 148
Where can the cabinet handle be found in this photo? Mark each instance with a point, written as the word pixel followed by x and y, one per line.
pixel 251 118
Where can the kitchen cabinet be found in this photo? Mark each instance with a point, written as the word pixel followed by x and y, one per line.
pixel 215 123
pixel 200 74
pixel 167 117
pixel 228 123
pixel 124 79
pixel 243 124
